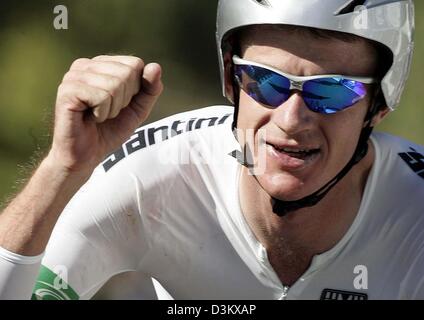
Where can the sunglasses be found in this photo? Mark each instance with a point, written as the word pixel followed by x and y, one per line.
pixel 324 94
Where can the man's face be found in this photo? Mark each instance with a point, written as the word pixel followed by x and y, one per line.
pixel 290 176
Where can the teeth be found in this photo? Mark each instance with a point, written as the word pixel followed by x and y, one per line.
pixel 294 150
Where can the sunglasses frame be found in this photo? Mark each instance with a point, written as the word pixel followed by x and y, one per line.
pixel 297 82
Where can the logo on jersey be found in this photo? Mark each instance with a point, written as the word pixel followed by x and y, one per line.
pixel 331 294
pixel 51 286
pixel 414 160
pixel 144 137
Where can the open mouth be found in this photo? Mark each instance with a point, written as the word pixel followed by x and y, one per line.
pixel 294 157
pixel 301 154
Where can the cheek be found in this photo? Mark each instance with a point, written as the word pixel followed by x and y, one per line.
pixel 342 135
pixel 251 115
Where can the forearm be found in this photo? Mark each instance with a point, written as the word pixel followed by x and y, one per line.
pixel 27 223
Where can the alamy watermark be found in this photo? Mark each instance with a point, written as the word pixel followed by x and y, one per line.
pixel 252 155
pixel 360 282
pixel 377 18
pixel 60 21
pixel 61 280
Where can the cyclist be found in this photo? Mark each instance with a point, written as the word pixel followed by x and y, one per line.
pixel 286 195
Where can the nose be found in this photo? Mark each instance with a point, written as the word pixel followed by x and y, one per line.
pixel 293 116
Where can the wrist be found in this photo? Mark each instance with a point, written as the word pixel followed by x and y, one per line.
pixel 61 169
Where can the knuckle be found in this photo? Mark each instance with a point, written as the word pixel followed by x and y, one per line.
pixel 79 63
pixel 106 98
pixel 127 72
pixel 101 57
pixel 113 82
pixel 138 63
pixel 71 75
pixel 115 92
pixel 135 63
pixel 61 89
pixel 64 87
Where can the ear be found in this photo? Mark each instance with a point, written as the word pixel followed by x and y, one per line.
pixel 380 116
pixel 228 76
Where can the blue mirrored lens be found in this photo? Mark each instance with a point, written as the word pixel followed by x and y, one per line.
pixel 330 95
pixel 324 95
pixel 264 86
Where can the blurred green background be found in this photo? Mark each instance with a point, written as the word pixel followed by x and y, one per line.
pixel 178 34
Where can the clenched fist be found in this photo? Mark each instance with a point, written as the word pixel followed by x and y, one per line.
pixel 100 102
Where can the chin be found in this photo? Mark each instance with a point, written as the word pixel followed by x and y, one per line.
pixel 283 186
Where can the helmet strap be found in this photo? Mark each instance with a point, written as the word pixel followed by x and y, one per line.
pixel 236 98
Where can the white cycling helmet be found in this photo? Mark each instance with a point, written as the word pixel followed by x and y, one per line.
pixel 388 22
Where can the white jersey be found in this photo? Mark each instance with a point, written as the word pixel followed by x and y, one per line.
pixel 166 206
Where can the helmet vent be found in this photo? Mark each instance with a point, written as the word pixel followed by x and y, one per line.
pixel 350 6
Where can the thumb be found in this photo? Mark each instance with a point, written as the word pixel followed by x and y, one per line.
pixel 151 88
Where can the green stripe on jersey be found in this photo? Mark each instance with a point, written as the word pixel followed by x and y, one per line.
pixel 50 286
